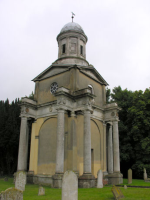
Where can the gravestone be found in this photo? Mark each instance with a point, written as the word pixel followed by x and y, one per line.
pixel 100 179
pixel 20 180
pixel 129 176
pixel 41 191
pixel 117 193
pixel 145 174
pixel 5 179
pixel 125 187
pixel 11 194
pixel 69 186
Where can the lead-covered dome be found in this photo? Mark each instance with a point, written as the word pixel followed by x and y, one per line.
pixel 72 26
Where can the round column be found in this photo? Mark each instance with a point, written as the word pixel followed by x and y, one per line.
pixel 116 147
pixel 110 150
pixel 60 141
pixel 87 142
pixel 23 145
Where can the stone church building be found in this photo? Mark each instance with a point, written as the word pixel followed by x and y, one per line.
pixel 72 126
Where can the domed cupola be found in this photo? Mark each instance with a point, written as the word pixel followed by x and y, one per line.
pixel 72 45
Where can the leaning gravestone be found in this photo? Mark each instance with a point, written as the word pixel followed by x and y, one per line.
pixel 41 191
pixel 117 193
pixel 20 180
pixel 70 186
pixel 100 179
pixel 11 194
pixel 129 176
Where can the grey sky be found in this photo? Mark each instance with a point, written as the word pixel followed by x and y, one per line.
pixel 118 44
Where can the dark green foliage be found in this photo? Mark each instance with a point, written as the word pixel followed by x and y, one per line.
pixel 9 135
pixel 134 129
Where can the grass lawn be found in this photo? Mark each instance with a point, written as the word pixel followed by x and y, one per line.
pixel 31 192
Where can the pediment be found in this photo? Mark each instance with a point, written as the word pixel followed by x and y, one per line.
pixel 51 71
pixel 92 73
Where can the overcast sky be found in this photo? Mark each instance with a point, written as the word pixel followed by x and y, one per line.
pixel 118 44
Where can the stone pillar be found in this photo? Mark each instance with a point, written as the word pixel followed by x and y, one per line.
pixel 60 141
pixel 87 142
pixel 87 180
pixel 23 146
pixel 104 149
pixel 57 178
pixel 116 147
pixel 116 177
pixel 74 142
pixel 110 150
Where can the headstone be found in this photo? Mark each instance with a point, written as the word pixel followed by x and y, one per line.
pixel 20 180
pixel 41 191
pixel 11 194
pixel 100 179
pixel 129 176
pixel 6 179
pixel 117 193
pixel 1 173
pixel 69 186
pixel 125 187
pixel 145 174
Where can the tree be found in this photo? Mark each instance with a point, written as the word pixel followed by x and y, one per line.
pixel 134 129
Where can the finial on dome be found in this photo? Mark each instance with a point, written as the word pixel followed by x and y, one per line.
pixel 72 16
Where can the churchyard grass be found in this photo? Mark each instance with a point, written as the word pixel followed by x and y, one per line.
pixel 31 192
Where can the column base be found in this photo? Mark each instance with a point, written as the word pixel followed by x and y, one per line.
pixel 57 180
pixel 115 178
pixel 30 175
pixel 87 180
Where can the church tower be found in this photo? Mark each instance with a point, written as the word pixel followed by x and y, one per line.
pixel 73 128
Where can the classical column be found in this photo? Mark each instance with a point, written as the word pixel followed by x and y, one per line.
pixel 105 149
pixel 74 142
pixel 110 149
pixel 87 142
pixel 116 147
pixel 23 145
pixel 60 141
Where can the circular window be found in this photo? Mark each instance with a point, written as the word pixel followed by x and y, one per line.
pixel 54 87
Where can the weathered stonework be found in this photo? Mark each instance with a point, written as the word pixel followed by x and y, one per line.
pixel 20 180
pixel 11 194
pixel 73 128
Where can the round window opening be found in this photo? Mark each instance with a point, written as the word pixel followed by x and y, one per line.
pixel 54 87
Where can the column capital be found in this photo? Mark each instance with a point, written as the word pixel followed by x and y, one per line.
pixel 110 123
pixel 87 110
pixel 60 108
pixel 73 114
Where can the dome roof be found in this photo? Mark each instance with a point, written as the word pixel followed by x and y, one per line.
pixel 72 26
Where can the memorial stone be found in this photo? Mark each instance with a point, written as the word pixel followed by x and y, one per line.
pixel 41 191
pixel 145 174
pixel 20 180
pixel 100 179
pixel 11 194
pixel 5 179
pixel 129 176
pixel 70 186
pixel 125 187
pixel 117 193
